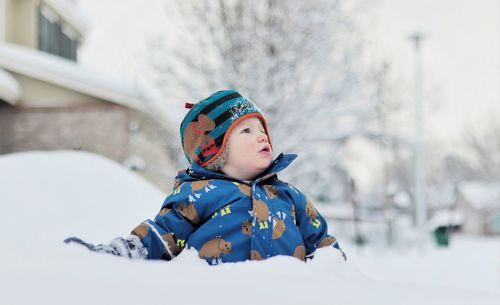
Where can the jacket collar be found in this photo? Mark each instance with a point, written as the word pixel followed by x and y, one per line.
pixel 280 163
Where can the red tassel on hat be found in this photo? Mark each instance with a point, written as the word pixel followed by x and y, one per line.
pixel 188 105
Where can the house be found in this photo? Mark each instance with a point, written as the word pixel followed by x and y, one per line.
pixel 48 101
pixel 479 202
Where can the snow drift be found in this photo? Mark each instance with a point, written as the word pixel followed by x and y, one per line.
pixel 48 196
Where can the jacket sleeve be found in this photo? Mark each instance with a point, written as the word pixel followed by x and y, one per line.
pixel 165 236
pixel 313 227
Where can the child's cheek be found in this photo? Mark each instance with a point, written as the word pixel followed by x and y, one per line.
pixel 249 147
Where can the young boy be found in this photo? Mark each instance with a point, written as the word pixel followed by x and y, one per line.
pixel 229 204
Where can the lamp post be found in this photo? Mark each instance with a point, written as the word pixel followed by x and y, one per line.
pixel 419 171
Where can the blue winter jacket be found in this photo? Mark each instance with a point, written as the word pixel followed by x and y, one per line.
pixel 229 220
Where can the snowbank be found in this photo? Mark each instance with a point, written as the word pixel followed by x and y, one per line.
pixel 46 197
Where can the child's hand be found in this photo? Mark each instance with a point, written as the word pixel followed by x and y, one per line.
pixel 130 247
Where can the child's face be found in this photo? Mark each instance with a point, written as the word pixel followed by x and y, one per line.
pixel 249 152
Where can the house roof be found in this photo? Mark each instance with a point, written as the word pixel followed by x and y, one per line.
pixel 10 90
pixel 481 195
pixel 64 73
pixel 443 218
pixel 69 11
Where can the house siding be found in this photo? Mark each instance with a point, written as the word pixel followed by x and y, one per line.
pixel 21 14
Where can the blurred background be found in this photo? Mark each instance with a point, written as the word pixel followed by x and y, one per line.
pixel 392 106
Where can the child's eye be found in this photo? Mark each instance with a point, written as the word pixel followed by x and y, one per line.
pixel 246 130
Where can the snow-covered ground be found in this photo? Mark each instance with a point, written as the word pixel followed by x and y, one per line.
pixel 48 196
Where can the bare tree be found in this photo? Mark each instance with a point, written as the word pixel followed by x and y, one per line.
pixel 483 149
pixel 301 61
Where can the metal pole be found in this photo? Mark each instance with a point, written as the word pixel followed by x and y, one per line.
pixel 420 186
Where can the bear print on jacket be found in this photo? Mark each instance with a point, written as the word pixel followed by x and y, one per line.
pixel 278 228
pixel 271 191
pixel 260 210
pixel 188 211
pixel 246 227
pixel 214 248
pixel 300 253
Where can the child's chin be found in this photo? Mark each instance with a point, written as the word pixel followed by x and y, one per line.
pixel 264 164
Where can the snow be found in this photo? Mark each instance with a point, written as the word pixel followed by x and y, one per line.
pixel 445 218
pixel 71 12
pixel 47 196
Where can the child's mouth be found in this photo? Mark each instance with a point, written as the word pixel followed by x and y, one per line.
pixel 266 150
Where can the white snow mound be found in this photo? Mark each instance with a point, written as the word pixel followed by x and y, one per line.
pixel 48 196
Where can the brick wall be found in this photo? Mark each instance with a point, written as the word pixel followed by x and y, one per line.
pixel 101 129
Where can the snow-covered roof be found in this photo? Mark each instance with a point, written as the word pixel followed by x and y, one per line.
pixel 71 13
pixel 446 217
pixel 10 90
pixel 481 194
pixel 67 74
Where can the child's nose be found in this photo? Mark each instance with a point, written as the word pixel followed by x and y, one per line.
pixel 262 138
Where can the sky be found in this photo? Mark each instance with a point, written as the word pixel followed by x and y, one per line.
pixel 461 57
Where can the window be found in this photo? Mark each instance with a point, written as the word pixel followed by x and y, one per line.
pixel 53 37
pixel 67 43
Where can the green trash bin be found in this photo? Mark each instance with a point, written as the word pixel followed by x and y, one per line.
pixel 442 236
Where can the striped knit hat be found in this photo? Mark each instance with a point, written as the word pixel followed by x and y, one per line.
pixel 206 127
